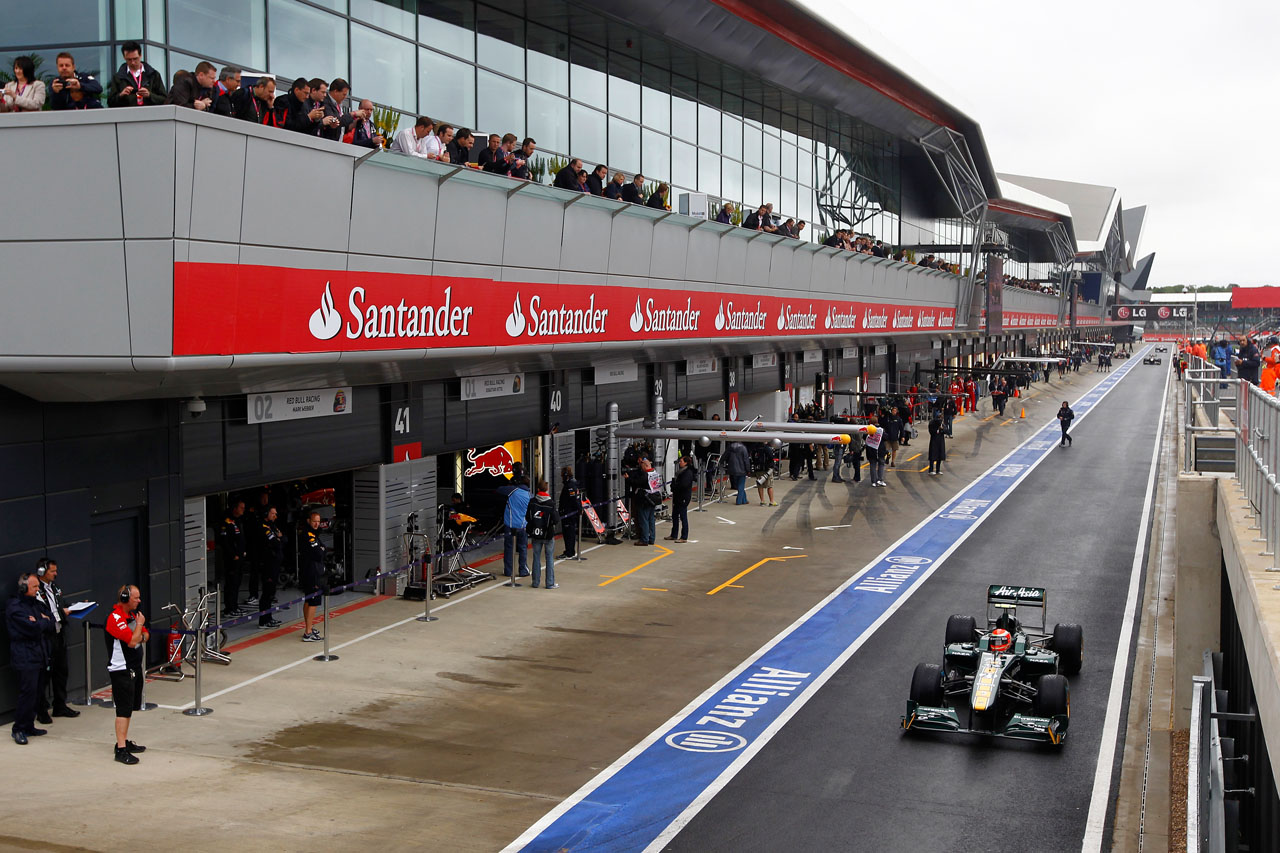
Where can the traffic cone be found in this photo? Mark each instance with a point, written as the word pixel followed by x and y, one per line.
pixel 1022 413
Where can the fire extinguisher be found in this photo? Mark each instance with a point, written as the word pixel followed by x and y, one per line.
pixel 175 643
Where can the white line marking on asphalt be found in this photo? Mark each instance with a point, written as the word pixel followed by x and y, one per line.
pixel 592 548
pixel 724 778
pixel 373 633
pixel 1097 821
pixel 725 520
pixel 791 548
pixel 832 526
pixel 729 550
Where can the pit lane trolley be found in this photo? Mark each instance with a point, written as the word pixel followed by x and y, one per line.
pixel 452 572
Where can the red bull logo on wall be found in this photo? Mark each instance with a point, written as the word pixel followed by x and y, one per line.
pixel 497 461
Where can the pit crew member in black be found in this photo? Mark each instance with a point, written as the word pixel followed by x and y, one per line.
pixel 234 556
pixel 310 575
pixel 269 554
pixel 29 627
pixel 125 633
pixel 51 595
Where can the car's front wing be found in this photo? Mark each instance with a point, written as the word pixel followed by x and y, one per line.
pixel 1021 726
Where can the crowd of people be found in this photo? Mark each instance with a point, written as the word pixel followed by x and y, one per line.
pixel 1259 365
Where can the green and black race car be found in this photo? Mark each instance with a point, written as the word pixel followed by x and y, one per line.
pixel 1008 680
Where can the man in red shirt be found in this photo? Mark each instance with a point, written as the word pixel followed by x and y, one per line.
pixel 125 633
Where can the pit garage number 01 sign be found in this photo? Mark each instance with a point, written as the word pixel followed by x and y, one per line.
pixel 296 405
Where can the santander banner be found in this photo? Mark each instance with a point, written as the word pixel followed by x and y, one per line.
pixel 228 309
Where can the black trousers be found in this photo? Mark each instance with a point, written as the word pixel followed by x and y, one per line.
pixel 30 682
pixel 270 577
pixel 569 532
pixel 232 573
pixel 57 676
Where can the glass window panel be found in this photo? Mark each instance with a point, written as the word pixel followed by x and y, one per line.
pixel 588 82
pixel 657 109
pixel 751 144
pixel 129 19
pixel 500 41
pixel 656 154
pixel 446 88
pixel 548 59
pixel 499 105
pixel 156 30
pixel 708 172
pixel 751 198
pixel 449 25
pixel 52 21
pixel 731 183
pixel 684 164
pixel 215 29
pixel 731 138
pixel 770 191
pixel 153 55
pixel 306 40
pixel 788 169
pixel 771 159
pixel 624 145
pixel 684 119
pixel 587 134
pixel 394 15
pixel 549 121
pixel 709 129
pixel 624 98
pixel 788 200
pixel 379 68
pixel 804 169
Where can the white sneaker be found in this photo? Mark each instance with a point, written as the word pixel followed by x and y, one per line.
pixel 883 483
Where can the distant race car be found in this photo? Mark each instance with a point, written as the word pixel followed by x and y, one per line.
pixel 1151 359
pixel 1162 349
pixel 1007 680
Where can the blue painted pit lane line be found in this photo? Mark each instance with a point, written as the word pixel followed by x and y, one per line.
pixel 647 796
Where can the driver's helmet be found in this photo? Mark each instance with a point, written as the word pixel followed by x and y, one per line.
pixel 1001 640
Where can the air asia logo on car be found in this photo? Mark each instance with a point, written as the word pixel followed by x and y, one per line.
pixel 371 320
pixel 1026 593
pixel 496 461
pixel 651 319
pixel 556 320
pixel 740 320
pixel 788 319
pixel 837 319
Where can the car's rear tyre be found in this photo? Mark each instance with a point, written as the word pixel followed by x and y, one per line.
pixel 926 685
pixel 961 629
pixel 1053 696
pixel 1068 642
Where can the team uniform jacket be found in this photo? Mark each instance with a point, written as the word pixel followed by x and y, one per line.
pixel 119 633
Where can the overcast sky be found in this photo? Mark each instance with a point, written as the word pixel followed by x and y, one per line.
pixel 1175 103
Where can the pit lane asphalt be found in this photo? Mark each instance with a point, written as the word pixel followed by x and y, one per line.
pixel 841 775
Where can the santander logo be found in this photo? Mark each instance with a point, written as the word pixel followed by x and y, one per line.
pixel 515 320
pixel 637 317
pixel 720 318
pixel 556 320
pixel 325 321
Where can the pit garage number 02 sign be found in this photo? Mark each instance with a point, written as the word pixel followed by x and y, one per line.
pixel 296 405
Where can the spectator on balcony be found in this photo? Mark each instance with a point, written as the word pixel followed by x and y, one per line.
pixel 799 230
pixel 195 91
pixel 754 218
pixel 520 164
pixel 567 178
pixel 460 148
pixel 26 93
pixel 597 179
pixel 504 160
pixel 725 215
pixel 135 84
pixel 227 91
pixel 337 112
pixel 787 229
pixel 658 199
pixel 438 143
pixel 254 103
pixel 300 114
pixel 317 98
pixel 583 186
pixel 72 90
pixel 363 131
pixel 413 140
pixel 492 154
pixel 634 191
pixel 616 187
pixel 766 221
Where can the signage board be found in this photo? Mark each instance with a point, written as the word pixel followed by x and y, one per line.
pixel 812 355
pixel 493 385
pixel 1150 312
pixel 702 365
pixel 995 295
pixel 298 405
pixel 764 359
pixel 613 372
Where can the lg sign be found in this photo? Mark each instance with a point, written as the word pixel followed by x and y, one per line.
pixel 1149 312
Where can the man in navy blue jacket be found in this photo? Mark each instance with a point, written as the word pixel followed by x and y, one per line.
pixel 29 625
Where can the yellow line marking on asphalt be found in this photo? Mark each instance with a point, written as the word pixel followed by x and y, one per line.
pixel 653 589
pixel 732 582
pixel 665 553
pixel 1006 423
pixel 917 456
pixel 990 416
pixel 922 470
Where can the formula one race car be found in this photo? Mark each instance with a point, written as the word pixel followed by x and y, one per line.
pixel 1008 680
pixel 1151 359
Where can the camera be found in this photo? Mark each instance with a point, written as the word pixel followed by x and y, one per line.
pixel 196 407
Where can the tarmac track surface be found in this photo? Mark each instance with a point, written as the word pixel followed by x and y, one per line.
pixel 841 775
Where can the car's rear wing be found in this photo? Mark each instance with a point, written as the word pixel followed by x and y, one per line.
pixel 1007 597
